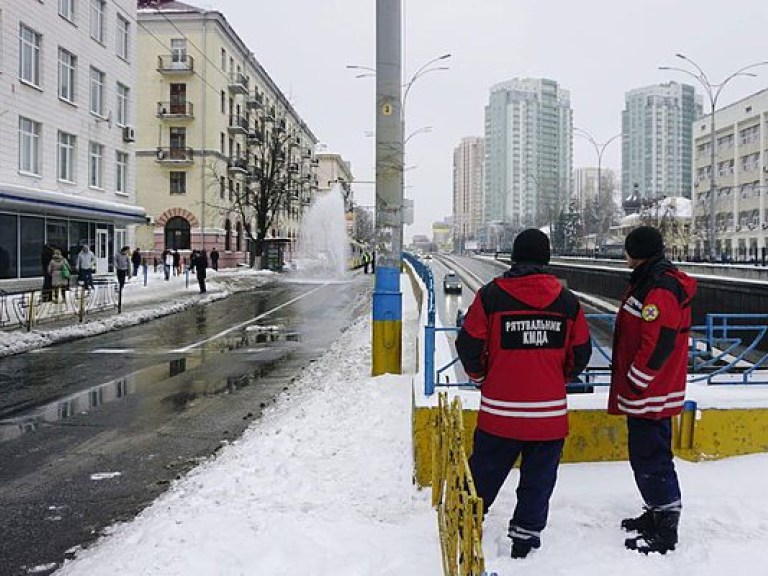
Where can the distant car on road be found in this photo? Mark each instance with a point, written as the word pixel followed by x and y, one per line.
pixel 451 283
pixel 428 257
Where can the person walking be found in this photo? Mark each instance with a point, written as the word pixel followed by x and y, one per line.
pixel 167 263
pixel 136 261
pixel 176 263
pixel 522 340
pixel 215 259
pixel 200 263
pixel 58 270
pixel 648 375
pixel 122 265
pixel 45 258
pixel 86 263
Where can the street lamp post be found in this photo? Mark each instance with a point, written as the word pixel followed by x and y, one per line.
pixel 599 150
pixel 713 91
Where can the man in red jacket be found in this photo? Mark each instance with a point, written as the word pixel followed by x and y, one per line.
pixel 523 339
pixel 648 376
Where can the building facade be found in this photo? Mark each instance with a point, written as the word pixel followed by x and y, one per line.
pixel 333 170
pixel 656 157
pixel 67 173
pixel 741 180
pixel 468 170
pixel 528 152
pixel 215 134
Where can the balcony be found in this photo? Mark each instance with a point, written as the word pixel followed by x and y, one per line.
pixel 255 137
pixel 237 124
pixel 237 165
pixel 238 83
pixel 175 64
pixel 254 101
pixel 174 155
pixel 175 110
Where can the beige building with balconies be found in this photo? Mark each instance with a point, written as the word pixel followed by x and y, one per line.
pixel 206 108
pixel 741 179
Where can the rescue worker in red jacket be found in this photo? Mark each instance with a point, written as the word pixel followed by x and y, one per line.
pixel 648 376
pixel 523 339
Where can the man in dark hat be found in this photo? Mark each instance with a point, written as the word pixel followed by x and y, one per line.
pixel 648 376
pixel 523 339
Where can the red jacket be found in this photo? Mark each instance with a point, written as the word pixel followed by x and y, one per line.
pixel 650 343
pixel 524 337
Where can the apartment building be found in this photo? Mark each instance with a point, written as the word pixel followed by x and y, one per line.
pixel 468 170
pixel 741 180
pixel 656 142
pixel 528 152
pixel 67 115
pixel 215 137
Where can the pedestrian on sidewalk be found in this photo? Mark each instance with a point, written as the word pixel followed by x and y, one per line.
pixel 45 259
pixel 215 259
pixel 136 261
pixel 176 263
pixel 199 262
pixel 167 263
pixel 122 265
pixel 522 340
pixel 86 264
pixel 648 375
pixel 58 269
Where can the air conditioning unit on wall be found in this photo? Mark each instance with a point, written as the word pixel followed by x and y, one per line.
pixel 129 134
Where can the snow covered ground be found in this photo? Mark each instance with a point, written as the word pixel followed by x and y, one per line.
pixel 321 486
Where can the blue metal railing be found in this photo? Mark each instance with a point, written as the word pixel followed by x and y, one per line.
pixel 726 345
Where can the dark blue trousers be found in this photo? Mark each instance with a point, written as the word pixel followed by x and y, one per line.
pixel 493 458
pixel 651 458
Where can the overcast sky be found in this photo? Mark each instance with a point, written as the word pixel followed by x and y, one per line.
pixel 596 49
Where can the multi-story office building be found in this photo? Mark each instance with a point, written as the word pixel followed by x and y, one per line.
pixel 468 165
pixel 528 152
pixel 67 174
pixel 214 133
pixel 656 154
pixel 741 179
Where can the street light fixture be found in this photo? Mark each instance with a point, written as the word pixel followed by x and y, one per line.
pixel 599 150
pixel 713 91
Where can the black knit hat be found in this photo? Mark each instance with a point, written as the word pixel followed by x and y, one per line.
pixel 532 246
pixel 644 242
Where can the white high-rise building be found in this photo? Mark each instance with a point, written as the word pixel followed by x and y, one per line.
pixel 528 143
pixel 656 157
pixel 468 164
pixel 67 174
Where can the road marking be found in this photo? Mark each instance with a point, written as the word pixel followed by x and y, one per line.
pixel 247 322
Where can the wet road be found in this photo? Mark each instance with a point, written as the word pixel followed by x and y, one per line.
pixel 94 430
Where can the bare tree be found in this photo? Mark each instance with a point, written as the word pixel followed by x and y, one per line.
pixel 364 226
pixel 269 180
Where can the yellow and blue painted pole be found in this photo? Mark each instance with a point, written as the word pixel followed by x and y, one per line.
pixel 387 299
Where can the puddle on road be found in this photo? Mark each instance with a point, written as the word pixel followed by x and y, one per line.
pixel 175 382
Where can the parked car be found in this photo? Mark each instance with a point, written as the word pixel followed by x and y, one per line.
pixel 451 283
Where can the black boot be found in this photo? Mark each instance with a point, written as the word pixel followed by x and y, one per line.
pixel 663 537
pixel 642 524
pixel 521 548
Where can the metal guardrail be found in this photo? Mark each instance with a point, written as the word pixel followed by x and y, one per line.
pixel 459 508
pixel 30 308
pixel 722 351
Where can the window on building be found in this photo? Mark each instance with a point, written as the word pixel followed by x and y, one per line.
pixel 97 92
pixel 123 37
pixel 179 52
pixel 95 165
pixel 178 182
pixel 67 75
pixel 29 146
pixel 97 20
pixel 223 59
pixel 29 55
pixel 67 9
pixel 121 172
pixel 65 157
pixel 227 235
pixel 223 102
pixel 8 246
pixel 123 94
pixel 238 236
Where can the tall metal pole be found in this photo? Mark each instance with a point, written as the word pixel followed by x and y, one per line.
pixel 387 298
